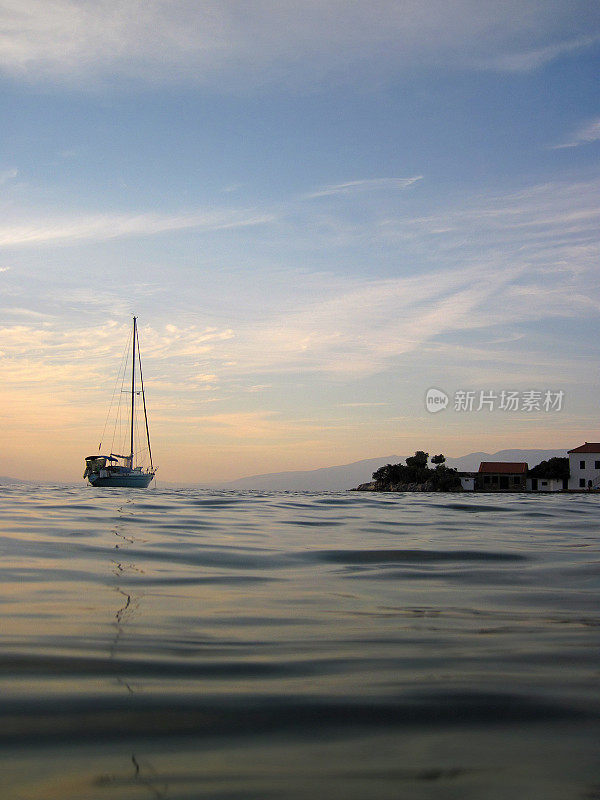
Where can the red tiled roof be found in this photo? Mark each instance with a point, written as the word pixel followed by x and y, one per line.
pixel 504 467
pixel 588 447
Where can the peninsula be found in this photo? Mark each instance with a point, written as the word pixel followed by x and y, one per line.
pixel 579 471
pixel 414 476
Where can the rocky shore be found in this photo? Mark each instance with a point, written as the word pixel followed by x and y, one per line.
pixel 427 486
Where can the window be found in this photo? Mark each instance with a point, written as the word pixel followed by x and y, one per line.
pixel 486 478
pixel 494 479
pixel 596 464
pixel 544 483
pixel 582 465
pixel 516 479
pixel 582 483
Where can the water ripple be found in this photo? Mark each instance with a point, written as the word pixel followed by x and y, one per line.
pixel 189 643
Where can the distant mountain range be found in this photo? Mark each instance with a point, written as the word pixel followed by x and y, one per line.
pixel 325 479
pixel 347 476
pixel 5 479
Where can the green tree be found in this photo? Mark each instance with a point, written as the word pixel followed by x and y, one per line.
pixel 438 459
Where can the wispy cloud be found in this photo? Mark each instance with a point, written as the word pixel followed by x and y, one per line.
pixel 361 405
pixel 280 40
pixel 363 329
pixel 8 175
pixel 22 312
pixel 54 344
pixel 501 261
pixel 553 224
pixel 100 227
pixel 504 266
pixel 532 58
pixel 586 134
pixel 367 185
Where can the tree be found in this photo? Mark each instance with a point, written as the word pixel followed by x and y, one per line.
pixel 445 479
pixel 416 471
pixel 390 474
pixel 553 468
pixel 419 460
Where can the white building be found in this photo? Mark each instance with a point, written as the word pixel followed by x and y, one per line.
pixel 584 466
pixel 467 481
pixel 544 484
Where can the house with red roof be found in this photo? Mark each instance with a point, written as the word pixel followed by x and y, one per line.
pixel 501 476
pixel 584 466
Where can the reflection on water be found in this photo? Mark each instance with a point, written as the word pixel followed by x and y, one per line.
pixel 129 602
pixel 146 777
pixel 186 644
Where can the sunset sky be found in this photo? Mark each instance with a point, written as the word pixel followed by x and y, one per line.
pixel 317 210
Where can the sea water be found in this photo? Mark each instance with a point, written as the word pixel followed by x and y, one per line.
pixel 196 644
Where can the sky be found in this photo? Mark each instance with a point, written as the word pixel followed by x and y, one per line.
pixel 318 211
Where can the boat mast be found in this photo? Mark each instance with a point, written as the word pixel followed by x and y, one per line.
pixel 144 403
pixel 132 393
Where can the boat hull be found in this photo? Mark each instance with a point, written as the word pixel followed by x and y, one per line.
pixel 132 481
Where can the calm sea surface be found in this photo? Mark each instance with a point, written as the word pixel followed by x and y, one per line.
pixel 193 644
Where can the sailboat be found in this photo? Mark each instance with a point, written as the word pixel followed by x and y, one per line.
pixel 124 470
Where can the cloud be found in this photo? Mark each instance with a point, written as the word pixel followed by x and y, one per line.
pixel 8 175
pixel 500 261
pixel 242 44
pixel 364 329
pixel 368 185
pixel 22 312
pixel 44 347
pixel 490 268
pixel 531 59
pixel 101 227
pixel 361 405
pixel 586 134
pixel 554 224
pixel 47 375
pixel 244 428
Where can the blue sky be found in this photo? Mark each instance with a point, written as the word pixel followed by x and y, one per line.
pixel 317 211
